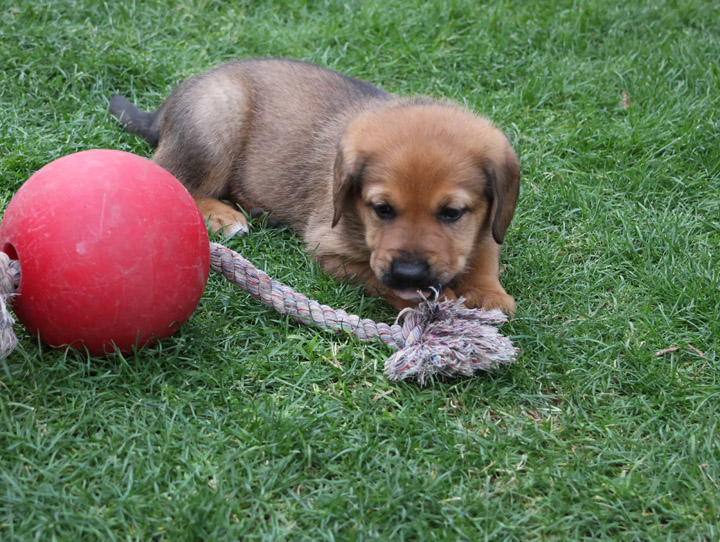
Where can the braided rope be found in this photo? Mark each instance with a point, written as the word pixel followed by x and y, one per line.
pixel 284 300
pixel 435 339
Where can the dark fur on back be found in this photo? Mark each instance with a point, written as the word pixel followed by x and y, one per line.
pixel 260 117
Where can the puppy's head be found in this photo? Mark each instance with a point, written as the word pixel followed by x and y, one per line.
pixel 426 183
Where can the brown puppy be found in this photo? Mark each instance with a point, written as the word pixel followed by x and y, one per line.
pixel 403 195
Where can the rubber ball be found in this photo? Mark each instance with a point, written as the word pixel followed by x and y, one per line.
pixel 113 252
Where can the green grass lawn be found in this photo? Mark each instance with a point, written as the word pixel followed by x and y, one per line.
pixel 247 426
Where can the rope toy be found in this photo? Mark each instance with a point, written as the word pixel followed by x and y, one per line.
pixel 436 339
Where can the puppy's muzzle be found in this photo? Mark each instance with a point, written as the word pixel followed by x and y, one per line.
pixel 409 273
pixel 411 278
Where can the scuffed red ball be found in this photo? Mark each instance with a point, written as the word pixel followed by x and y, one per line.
pixel 113 251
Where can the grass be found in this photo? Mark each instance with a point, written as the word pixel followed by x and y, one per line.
pixel 247 426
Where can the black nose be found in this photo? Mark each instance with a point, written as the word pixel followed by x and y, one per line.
pixel 410 273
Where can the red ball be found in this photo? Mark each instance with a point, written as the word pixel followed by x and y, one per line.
pixel 113 251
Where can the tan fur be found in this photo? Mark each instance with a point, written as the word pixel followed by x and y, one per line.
pixel 321 152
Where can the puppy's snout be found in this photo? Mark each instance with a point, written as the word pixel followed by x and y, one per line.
pixel 410 272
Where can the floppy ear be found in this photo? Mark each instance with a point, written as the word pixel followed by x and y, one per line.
pixel 347 177
pixel 503 180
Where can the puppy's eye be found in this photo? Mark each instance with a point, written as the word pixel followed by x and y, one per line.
pixel 384 211
pixel 450 214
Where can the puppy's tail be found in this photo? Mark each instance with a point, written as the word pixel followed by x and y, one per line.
pixel 134 120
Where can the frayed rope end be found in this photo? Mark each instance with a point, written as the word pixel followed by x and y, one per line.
pixel 9 282
pixel 449 340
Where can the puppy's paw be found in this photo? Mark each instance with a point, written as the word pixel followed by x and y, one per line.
pixel 489 300
pixel 227 226
pixel 222 218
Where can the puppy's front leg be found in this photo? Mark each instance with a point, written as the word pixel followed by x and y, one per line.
pixel 222 218
pixel 480 284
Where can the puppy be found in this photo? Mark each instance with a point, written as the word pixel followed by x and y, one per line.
pixel 405 195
